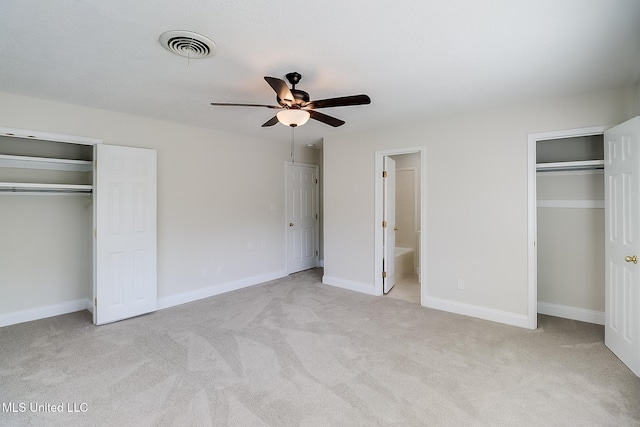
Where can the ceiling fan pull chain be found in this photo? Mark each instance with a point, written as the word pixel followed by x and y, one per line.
pixel 292 145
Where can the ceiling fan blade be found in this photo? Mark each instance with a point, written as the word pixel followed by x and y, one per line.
pixel 281 88
pixel 226 104
pixel 331 121
pixel 271 122
pixel 343 101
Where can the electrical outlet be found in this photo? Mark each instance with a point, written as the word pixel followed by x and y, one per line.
pixel 461 284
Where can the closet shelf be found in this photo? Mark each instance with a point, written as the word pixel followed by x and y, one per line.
pixel 570 166
pixel 44 188
pixel 24 162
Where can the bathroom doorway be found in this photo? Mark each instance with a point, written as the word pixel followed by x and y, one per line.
pixel 404 258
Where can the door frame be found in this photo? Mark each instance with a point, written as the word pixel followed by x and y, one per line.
pixel 379 215
pixel 286 207
pixel 532 217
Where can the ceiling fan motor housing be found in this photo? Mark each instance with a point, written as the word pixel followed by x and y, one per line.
pixel 301 98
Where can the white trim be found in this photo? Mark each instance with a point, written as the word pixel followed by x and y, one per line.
pixel 577 204
pixel 29 162
pixel 484 313
pixel 173 300
pixel 532 220
pixel 48 136
pixel 574 313
pixel 364 288
pixel 38 313
pixel 378 214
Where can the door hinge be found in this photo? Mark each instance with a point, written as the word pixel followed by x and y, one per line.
pixel 95 233
pixel 95 302
pixel 316 253
pixel 384 274
pixel 384 224
pixel 316 216
pixel 384 174
pixel 95 164
pixel 316 180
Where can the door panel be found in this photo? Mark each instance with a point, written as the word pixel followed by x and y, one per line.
pixel 622 237
pixel 302 217
pixel 125 237
pixel 389 235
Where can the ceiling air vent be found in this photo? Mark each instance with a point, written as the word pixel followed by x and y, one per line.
pixel 188 44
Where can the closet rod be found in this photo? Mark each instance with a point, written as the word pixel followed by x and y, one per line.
pixel 585 168
pixel 570 166
pixel 41 190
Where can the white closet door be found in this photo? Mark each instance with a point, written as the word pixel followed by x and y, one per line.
pixel 622 242
pixel 125 235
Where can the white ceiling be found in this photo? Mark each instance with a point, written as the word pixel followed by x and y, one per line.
pixel 414 58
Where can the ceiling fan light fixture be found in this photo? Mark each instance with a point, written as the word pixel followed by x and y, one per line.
pixel 293 117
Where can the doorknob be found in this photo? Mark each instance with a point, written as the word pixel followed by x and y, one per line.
pixel 290 224
pixel 633 259
pixel 395 228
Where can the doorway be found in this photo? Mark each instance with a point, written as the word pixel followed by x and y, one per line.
pixel 406 257
pixel 569 167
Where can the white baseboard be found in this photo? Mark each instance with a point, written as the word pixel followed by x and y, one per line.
pixel 364 288
pixel 37 313
pixel 574 313
pixel 173 300
pixel 484 313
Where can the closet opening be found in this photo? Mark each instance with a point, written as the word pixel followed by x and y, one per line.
pixel 46 200
pixel 567 225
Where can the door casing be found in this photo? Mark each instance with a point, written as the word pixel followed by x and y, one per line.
pixel 532 217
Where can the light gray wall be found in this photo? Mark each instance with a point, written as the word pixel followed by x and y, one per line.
pixel 476 186
pixel 45 254
pixel 571 241
pixel 215 195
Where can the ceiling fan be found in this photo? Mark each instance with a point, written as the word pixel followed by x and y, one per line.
pixel 295 105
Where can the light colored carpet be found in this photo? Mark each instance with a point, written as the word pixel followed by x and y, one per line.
pixel 296 352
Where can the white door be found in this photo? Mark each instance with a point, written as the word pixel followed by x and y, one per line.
pixel 302 217
pixel 389 234
pixel 622 242
pixel 125 233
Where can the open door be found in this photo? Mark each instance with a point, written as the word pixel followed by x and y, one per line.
pixel 622 242
pixel 389 224
pixel 125 233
